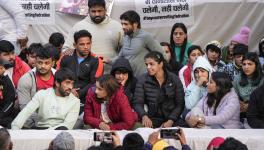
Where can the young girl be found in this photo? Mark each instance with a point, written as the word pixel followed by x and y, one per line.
pixel 219 108
pixel 107 106
pixel 179 42
pixel 161 91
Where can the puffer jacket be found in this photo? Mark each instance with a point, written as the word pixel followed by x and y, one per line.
pixel 147 92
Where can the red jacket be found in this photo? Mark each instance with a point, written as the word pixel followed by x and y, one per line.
pixel 118 110
pixel 19 70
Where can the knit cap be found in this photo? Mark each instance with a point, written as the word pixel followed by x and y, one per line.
pixel 63 141
pixel 215 142
pixel 243 36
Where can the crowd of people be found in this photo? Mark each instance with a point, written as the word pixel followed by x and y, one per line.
pixel 114 75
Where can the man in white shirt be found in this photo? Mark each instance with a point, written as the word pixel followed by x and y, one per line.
pixel 57 107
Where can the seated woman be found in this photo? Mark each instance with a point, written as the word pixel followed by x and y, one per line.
pixel 197 88
pixel 250 78
pixel 161 91
pixel 123 73
pixel 107 107
pixel 219 108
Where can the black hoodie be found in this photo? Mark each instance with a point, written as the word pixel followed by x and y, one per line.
pixel 131 82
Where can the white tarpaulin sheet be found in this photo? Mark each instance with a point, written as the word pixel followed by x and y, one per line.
pixel 213 20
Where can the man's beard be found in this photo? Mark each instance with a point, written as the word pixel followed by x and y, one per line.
pixel 8 64
pixel 62 92
pixel 129 32
pixel 97 19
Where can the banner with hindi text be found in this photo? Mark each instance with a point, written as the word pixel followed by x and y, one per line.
pixel 39 11
pixel 162 13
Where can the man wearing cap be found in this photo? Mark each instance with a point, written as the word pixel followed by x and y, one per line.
pixel 235 67
pixel 242 37
pixel 213 53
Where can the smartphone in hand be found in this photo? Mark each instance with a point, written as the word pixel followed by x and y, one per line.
pixel 169 133
pixel 103 136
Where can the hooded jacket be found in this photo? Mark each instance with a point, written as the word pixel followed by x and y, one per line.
pixel 130 84
pixel 194 92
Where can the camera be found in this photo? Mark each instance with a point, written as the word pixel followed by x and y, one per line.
pixel 169 133
pixel 103 137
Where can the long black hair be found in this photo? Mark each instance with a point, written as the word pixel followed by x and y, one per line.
pixel 257 74
pixel 183 27
pixel 172 61
pixel 223 84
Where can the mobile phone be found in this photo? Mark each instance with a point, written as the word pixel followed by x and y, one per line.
pixel 169 133
pixel 103 137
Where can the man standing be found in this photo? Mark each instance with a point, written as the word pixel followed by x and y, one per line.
pixel 82 63
pixel 107 33
pixel 56 107
pixel 137 42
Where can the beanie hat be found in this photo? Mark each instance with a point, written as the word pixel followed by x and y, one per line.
pixel 215 142
pixel 243 36
pixel 63 141
pixel 160 145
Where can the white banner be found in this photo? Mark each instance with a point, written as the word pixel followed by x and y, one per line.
pixel 163 13
pixel 39 11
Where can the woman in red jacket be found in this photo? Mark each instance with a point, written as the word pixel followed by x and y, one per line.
pixel 107 106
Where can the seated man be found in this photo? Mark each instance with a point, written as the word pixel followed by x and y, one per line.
pixel 39 78
pixel 56 107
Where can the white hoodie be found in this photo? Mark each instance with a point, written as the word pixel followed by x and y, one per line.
pixel 194 92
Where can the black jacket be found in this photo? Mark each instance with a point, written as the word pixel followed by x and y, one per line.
pixel 130 85
pixel 147 92
pixel 9 96
pixel 255 112
pixel 85 72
